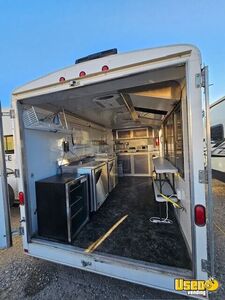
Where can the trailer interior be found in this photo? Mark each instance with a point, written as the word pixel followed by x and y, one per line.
pixel 89 119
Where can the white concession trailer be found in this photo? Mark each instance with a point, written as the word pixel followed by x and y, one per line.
pixel 217 117
pixel 159 89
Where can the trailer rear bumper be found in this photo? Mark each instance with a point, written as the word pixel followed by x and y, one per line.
pixel 147 274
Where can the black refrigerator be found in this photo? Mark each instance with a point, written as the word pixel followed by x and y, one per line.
pixel 62 206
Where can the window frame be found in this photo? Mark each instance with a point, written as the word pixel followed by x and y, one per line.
pixel 213 127
pixel 6 148
pixel 172 115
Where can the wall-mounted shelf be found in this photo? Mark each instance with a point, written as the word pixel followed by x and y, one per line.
pixel 99 142
pixel 81 146
pixel 40 119
pixel 133 134
pixel 137 138
pixel 50 129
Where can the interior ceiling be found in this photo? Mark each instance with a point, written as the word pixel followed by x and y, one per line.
pixel 134 101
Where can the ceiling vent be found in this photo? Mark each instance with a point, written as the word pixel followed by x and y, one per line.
pixel 109 101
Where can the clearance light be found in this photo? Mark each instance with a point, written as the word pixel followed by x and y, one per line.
pixel 200 218
pixel 62 79
pixel 82 74
pixel 21 198
pixel 105 68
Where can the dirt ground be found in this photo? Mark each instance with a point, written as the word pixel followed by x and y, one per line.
pixel 24 277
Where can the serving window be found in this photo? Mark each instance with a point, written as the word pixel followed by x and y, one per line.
pixel 173 134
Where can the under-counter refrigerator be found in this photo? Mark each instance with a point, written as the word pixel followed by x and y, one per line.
pixel 62 206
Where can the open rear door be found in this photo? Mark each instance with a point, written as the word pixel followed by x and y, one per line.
pixel 5 226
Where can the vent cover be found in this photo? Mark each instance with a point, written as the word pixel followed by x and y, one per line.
pixel 109 101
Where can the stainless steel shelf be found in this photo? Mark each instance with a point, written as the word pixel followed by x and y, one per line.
pixel 136 138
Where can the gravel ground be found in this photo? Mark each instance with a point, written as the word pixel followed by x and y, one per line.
pixel 24 277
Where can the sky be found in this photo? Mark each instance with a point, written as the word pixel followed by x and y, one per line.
pixel 38 37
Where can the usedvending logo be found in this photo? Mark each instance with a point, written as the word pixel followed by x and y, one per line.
pixel 196 287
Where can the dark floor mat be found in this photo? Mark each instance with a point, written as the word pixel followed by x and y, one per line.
pixel 136 237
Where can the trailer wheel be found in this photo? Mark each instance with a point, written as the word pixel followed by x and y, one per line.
pixel 11 195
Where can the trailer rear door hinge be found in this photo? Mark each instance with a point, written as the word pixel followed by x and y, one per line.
pixel 21 230
pixel 203 77
pixel 200 79
pixel 205 266
pixel 12 113
pixel 17 173
pixel 86 263
pixel 202 176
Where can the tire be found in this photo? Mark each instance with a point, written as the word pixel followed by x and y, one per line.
pixel 11 195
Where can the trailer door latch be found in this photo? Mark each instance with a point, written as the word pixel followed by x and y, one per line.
pixel 12 113
pixel 203 176
pixel 200 79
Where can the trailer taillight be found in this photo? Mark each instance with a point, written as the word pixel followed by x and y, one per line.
pixel 82 74
pixel 200 217
pixel 21 198
pixel 105 68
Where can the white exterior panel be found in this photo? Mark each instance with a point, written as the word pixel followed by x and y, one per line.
pixel 196 152
pixel 3 222
pixel 109 266
pixel 115 62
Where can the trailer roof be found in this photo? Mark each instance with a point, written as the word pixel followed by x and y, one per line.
pixel 138 88
pixel 114 62
pixel 217 102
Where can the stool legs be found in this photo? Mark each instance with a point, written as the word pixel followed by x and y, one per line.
pixel 161 220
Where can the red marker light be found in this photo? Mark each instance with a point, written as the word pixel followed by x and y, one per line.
pixel 21 198
pixel 62 79
pixel 105 68
pixel 82 74
pixel 200 218
pixel 157 141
